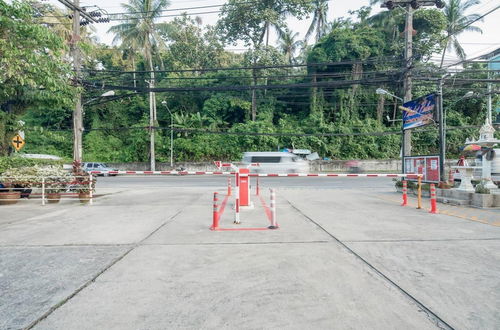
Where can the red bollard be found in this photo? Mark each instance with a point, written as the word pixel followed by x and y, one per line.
pixel 215 220
pixel 433 199
pixel 229 186
pixel 405 193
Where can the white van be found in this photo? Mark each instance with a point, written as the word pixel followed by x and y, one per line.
pixel 275 162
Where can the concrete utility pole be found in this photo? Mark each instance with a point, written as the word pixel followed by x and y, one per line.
pixel 409 6
pixel 442 129
pixel 152 120
pixel 407 83
pixel 77 112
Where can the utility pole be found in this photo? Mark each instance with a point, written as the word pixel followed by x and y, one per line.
pixel 407 82
pixel 152 119
pixel 92 17
pixel 409 6
pixel 442 129
pixel 77 112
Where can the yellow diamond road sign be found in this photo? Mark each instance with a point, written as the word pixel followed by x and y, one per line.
pixel 18 142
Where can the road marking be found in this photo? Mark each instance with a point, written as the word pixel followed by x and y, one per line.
pixel 445 209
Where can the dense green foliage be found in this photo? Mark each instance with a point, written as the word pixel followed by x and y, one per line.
pixel 33 74
pixel 328 104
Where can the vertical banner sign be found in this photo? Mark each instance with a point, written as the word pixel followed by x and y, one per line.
pixel 428 166
pixel 419 112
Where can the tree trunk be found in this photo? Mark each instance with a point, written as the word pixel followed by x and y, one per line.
pixel 254 96
pixel 380 108
pixel 133 69
pixel 314 95
pixel 444 52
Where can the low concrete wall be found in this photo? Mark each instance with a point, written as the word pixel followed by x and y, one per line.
pixel 370 165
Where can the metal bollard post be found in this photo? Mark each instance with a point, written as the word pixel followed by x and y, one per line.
pixel 274 224
pixel 229 186
pixel 405 192
pixel 257 187
pixel 215 216
pixel 433 199
pixel 90 189
pixel 43 191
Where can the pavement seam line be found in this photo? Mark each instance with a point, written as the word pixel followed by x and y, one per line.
pixel 439 322
pixel 86 284
pixel 78 290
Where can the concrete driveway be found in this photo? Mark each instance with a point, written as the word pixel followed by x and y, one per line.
pixel 344 257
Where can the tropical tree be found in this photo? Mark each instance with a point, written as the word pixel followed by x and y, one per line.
pixel 319 20
pixel 33 72
pixel 289 44
pixel 140 30
pixel 456 23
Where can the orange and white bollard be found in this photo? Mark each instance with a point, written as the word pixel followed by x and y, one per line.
pixel 405 193
pixel 229 186
pixel 272 206
pixel 215 219
pixel 237 201
pixel 433 199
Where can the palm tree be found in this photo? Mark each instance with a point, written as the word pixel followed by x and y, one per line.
pixel 140 31
pixel 288 43
pixel 456 23
pixel 319 21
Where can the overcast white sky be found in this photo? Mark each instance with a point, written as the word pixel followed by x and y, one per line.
pixel 474 43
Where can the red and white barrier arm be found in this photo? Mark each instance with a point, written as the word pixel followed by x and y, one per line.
pixel 364 175
pixel 162 172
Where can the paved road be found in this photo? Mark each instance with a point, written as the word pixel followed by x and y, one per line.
pixel 345 256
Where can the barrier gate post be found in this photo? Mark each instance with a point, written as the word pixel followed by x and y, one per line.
pixel 244 187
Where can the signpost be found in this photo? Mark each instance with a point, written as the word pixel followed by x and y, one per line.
pixel 419 112
pixel 18 142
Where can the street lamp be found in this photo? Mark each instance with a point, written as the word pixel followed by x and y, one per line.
pixel 381 91
pixel 105 94
pixel 171 134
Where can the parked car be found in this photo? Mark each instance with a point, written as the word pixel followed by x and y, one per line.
pixel 101 167
pixel 275 162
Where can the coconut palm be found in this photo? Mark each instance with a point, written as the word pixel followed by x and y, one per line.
pixel 140 31
pixel 289 44
pixel 456 23
pixel 319 20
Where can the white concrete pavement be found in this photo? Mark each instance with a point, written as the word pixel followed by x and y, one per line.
pixel 145 259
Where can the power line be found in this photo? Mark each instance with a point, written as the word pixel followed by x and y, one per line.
pixel 366 61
